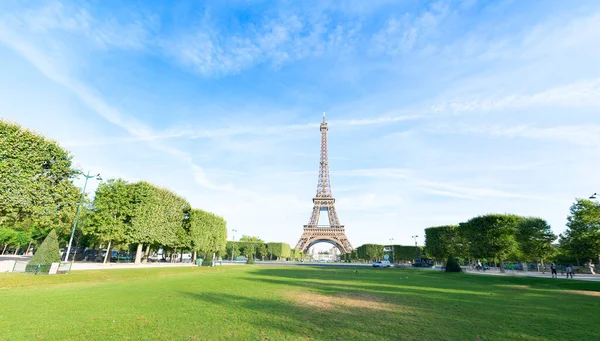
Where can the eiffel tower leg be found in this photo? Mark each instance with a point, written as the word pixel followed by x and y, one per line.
pixel 314 217
pixel 333 217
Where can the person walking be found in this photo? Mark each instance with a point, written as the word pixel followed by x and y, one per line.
pixel 553 268
pixel 569 271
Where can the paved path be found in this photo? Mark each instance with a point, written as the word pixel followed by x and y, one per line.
pixel 578 277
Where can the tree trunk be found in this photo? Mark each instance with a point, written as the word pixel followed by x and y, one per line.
pixel 501 265
pixel 108 251
pixel 145 259
pixel 16 250
pixel 28 247
pixel 174 255
pixel 194 257
pixel 182 255
pixel 4 250
pixel 138 253
pixel 213 260
pixel 543 267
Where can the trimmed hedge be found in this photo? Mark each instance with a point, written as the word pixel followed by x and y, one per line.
pixel 48 252
pixel 452 265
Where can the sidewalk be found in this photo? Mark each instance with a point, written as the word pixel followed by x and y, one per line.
pixel 577 277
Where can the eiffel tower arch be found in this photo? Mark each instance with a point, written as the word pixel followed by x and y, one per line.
pixel 324 207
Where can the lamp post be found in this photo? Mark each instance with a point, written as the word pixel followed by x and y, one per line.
pixel 87 177
pixel 593 197
pixel 416 247
pixel 392 246
pixel 233 246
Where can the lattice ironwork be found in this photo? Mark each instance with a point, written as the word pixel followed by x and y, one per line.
pixel 324 201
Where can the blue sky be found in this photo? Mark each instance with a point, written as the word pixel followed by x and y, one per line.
pixel 438 110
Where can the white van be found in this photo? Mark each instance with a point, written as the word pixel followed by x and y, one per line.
pixel 382 264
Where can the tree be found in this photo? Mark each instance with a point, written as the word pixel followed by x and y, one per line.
pixel 582 238
pixel 48 252
pixel 35 185
pixel 8 237
pixel 251 239
pixel 279 250
pixel 370 252
pixel 112 213
pixel 535 237
pixel 261 251
pixel 440 241
pixel 158 218
pixel 491 236
pixel 406 252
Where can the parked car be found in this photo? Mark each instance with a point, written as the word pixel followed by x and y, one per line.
pixel 382 264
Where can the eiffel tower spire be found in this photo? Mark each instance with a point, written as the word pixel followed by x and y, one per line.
pixel 315 231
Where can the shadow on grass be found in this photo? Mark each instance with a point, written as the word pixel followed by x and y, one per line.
pixel 301 322
pixel 453 306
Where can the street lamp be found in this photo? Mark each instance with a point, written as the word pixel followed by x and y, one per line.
pixel 87 177
pixel 392 245
pixel 233 246
pixel 416 247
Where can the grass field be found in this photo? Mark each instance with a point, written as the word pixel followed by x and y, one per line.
pixel 294 303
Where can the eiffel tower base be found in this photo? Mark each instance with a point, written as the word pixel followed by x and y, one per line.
pixel 335 236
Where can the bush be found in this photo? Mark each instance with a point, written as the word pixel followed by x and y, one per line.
pixel 250 260
pixel 452 265
pixel 207 262
pixel 47 252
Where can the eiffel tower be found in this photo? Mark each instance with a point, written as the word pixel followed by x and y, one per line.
pixel 314 232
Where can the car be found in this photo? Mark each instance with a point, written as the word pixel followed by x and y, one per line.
pixel 382 264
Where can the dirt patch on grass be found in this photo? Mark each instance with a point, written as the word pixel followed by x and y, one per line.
pixel 342 300
pixel 585 293
pixel 515 286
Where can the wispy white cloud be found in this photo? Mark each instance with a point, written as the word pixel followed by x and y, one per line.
pixel 580 135
pixel 582 93
pixel 274 41
pixel 137 130
pixel 403 34
pixel 56 18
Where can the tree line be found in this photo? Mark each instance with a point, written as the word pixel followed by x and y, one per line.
pixel 502 237
pixel 255 248
pixel 37 195
pixel 372 252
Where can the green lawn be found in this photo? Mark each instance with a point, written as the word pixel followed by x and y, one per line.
pixel 294 303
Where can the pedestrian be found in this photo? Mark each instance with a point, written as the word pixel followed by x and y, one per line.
pixel 569 271
pixel 553 268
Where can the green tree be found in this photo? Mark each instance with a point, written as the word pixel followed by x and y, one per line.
pixel 261 251
pixel 582 237
pixel 158 218
pixel 112 213
pixel 48 252
pixel 406 252
pixel 370 252
pixel 251 239
pixel 535 237
pixel 8 237
pixel 35 181
pixel 279 250
pixel 491 236
pixel 441 241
